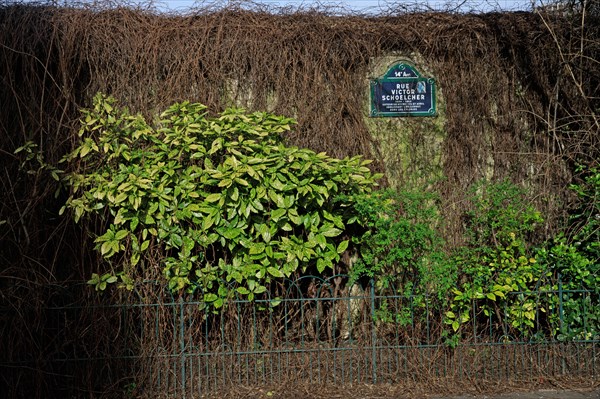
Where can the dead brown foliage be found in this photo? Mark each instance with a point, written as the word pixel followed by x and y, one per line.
pixel 519 88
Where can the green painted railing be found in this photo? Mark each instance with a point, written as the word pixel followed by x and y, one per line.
pixel 315 331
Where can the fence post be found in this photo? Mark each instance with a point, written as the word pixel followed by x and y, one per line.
pixel 560 304
pixel 373 334
pixel 182 346
pixel 563 362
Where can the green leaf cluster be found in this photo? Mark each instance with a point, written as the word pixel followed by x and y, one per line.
pixel 495 260
pixel 402 250
pixel 219 201
pixel 572 261
pixel 585 220
pixel 401 246
pixel 526 289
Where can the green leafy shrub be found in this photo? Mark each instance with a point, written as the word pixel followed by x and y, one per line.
pixel 499 212
pixel 574 280
pixel 496 260
pixel 402 250
pixel 402 246
pixel 586 219
pixel 527 291
pixel 215 201
pixel 573 265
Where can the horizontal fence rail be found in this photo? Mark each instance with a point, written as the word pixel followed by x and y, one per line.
pixel 317 331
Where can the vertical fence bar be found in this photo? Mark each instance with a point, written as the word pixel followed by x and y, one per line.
pixel 182 345
pixel 317 338
pixel 155 307
pixel 563 363
pixel 474 317
pixel 586 295
pixel 208 350
pixel 271 346
pixel 560 304
pixel 373 334
pixel 594 357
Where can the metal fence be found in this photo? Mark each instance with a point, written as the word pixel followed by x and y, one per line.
pixel 316 332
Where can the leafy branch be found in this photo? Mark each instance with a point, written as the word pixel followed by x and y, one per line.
pixel 221 200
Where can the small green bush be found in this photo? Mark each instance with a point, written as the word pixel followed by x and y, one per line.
pixel 402 250
pixel 572 275
pixel 216 202
pixel 585 222
pixel 496 260
pixel 572 262
pixel 402 246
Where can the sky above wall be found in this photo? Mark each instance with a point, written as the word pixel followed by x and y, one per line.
pixel 373 6
pixel 333 6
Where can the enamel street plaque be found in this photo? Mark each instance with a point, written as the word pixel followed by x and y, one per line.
pixel 402 91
